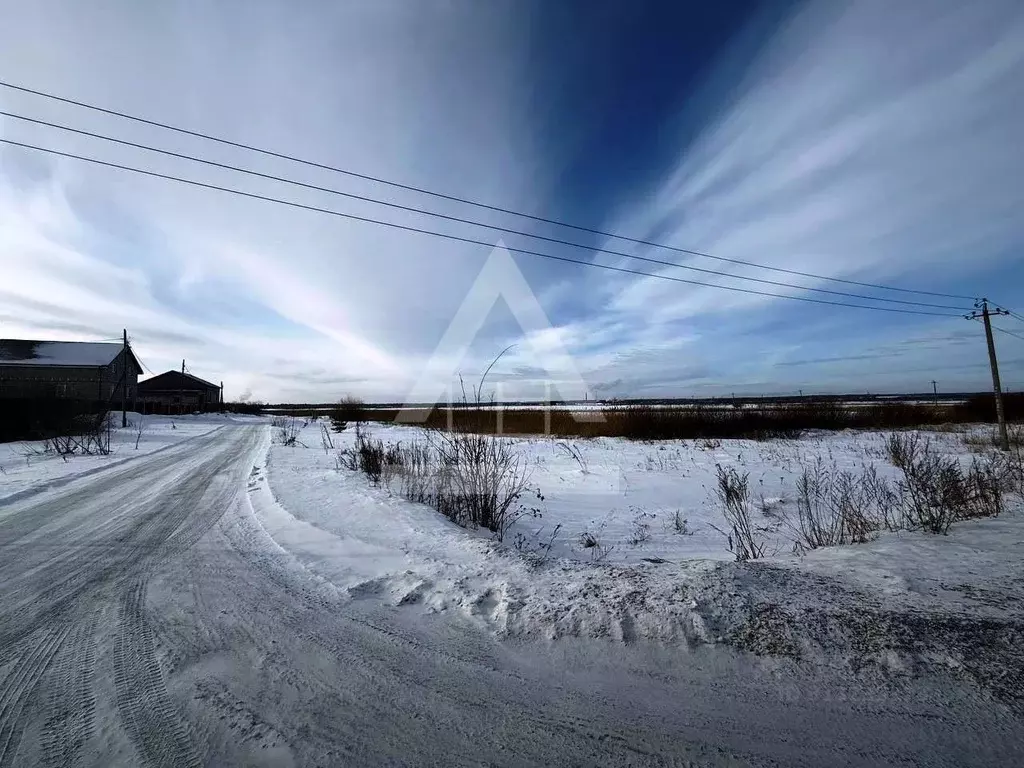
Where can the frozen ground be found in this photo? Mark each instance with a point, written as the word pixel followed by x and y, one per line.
pixel 894 604
pixel 25 467
pixel 229 602
pixel 640 501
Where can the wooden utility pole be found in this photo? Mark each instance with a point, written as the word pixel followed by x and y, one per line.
pixel 124 381
pixel 1004 440
pixel 181 390
pixel 935 388
pixel 221 397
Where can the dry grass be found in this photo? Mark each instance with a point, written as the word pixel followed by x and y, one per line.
pixel 703 422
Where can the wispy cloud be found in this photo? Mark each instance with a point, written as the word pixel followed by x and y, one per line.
pixel 869 140
pixel 286 304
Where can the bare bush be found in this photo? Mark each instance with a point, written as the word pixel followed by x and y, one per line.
pixel 833 507
pixel 480 479
pixel 680 524
pixel 591 542
pixel 371 454
pixel 419 473
pixel 477 481
pixel 1015 462
pixel 937 490
pixel 640 530
pixel 883 498
pixel 91 437
pixel 745 541
pixel 536 546
pixel 279 422
pixel 1008 465
pixel 288 431
pixel 346 458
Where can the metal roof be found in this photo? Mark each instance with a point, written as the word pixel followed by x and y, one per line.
pixel 79 354
pixel 173 380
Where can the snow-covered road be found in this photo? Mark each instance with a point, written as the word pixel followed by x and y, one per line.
pixel 147 617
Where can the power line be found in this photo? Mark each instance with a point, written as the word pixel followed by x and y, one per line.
pixel 1014 315
pixel 1011 313
pixel 507 230
pixel 131 340
pixel 1001 330
pixel 458 238
pixel 462 200
pixel 1008 333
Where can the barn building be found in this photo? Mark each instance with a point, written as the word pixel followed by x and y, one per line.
pixel 177 392
pixel 94 372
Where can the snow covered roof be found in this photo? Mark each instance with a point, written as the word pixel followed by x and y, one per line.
pixel 173 380
pixel 63 353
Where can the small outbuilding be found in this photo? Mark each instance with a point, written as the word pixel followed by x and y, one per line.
pixel 177 392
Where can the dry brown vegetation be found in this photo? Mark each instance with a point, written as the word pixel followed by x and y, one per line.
pixel 647 422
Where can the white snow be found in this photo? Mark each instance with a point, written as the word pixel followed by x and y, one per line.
pixel 65 353
pixel 370 542
pixel 303 617
pixel 25 468
pixel 625 493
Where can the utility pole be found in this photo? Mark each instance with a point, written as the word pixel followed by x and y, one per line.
pixel 221 397
pixel 124 381
pixel 181 390
pixel 935 389
pixel 1004 440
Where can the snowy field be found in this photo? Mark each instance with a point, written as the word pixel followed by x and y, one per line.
pixel 26 467
pixel 650 577
pixel 639 501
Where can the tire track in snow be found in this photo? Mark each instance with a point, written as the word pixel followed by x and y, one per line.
pixel 71 562
pixel 19 687
pixel 155 728
pixel 71 703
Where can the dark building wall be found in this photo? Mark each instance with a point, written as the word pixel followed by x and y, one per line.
pixel 183 401
pixel 100 383
pixel 171 392
pixel 24 381
pixel 113 379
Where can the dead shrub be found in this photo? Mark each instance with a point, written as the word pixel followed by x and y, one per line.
pixel 833 507
pixel 90 436
pixel 479 480
pixel 640 527
pixel 288 430
pixel 733 490
pixel 476 481
pixel 937 490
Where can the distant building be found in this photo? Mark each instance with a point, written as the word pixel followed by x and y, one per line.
pixel 176 392
pixel 86 371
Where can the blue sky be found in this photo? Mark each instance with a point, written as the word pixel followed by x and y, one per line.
pixel 863 140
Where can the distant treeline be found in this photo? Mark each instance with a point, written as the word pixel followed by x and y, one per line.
pixel 311 408
pixel 709 420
